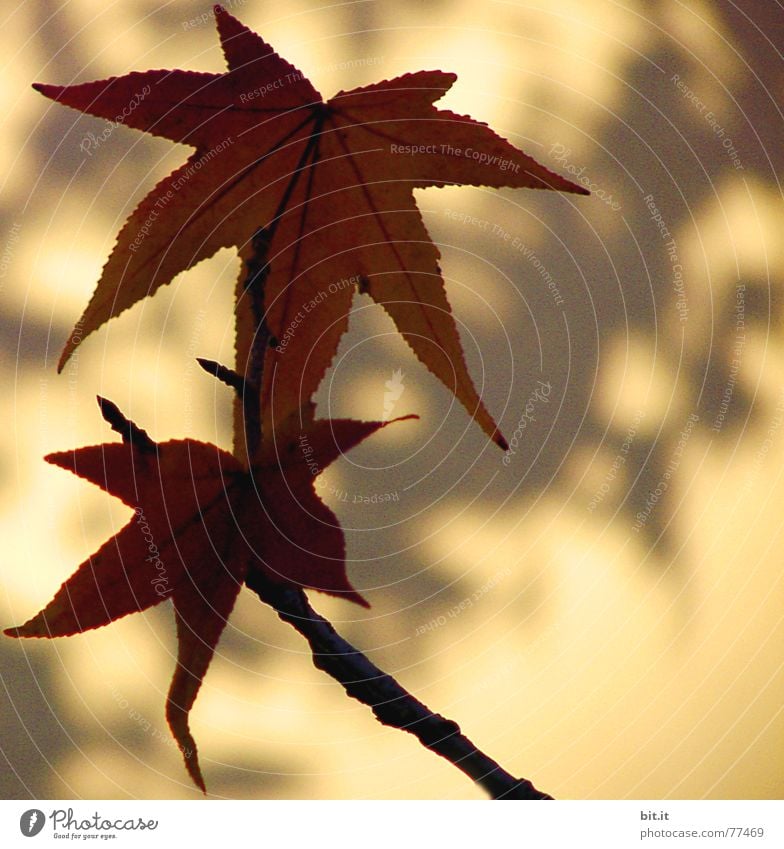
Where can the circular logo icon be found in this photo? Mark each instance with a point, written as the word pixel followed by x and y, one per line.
pixel 31 822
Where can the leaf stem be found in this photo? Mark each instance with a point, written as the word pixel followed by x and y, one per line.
pixel 392 704
pixel 250 398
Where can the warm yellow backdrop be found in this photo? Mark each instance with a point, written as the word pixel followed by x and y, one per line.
pixel 602 647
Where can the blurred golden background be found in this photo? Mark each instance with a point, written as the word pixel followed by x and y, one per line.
pixel 604 612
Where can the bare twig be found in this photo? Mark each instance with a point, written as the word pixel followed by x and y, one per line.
pixel 225 375
pixel 392 704
pixel 130 432
pixel 258 269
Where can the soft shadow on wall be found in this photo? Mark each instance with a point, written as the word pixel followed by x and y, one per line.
pixel 599 632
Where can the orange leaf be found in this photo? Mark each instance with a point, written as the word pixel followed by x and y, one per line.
pixel 201 524
pixel 329 185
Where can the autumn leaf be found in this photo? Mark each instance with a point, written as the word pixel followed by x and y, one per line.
pixel 202 524
pixel 327 187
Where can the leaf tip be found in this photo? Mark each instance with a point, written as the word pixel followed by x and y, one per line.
pixel 50 91
pixel 500 441
pixel 131 433
pixel 222 15
pixel 61 459
pixel 198 780
pixel 178 724
pixel 109 410
pixel 36 627
pixel 193 768
pixel 66 355
pixel 53 92
pixel 188 749
pixel 358 599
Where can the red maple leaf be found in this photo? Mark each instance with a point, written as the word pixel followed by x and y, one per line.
pixel 327 188
pixel 202 524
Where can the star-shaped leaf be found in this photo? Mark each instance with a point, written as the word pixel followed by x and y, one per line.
pixel 202 523
pixel 327 187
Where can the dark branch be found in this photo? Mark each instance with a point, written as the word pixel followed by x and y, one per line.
pixel 225 375
pixel 257 271
pixel 392 704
